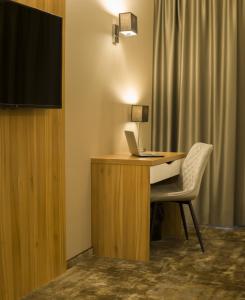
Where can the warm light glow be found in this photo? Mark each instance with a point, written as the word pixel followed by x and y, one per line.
pixel 130 96
pixel 113 7
pixel 128 33
pixel 131 126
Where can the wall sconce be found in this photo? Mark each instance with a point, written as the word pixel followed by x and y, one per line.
pixel 139 114
pixel 128 26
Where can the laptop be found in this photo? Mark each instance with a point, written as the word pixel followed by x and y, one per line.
pixel 133 148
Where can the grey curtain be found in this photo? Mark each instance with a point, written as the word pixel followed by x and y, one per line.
pixel 199 95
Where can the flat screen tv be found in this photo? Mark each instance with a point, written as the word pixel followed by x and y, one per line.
pixel 30 57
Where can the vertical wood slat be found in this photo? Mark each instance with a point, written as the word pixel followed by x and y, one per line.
pixel 32 192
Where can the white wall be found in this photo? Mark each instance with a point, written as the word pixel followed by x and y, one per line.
pixel 102 80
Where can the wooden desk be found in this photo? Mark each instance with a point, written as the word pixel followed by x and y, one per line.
pixel 121 202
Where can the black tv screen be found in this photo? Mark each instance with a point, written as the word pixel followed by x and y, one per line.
pixel 30 57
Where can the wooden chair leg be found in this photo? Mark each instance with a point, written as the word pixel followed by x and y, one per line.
pixel 183 220
pixel 196 225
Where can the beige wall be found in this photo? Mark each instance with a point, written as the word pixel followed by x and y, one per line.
pixel 101 81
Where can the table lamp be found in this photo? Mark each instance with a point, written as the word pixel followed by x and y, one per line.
pixel 139 114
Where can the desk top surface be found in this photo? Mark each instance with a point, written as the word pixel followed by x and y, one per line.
pixel 128 159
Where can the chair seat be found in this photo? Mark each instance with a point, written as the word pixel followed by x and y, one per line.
pixel 170 192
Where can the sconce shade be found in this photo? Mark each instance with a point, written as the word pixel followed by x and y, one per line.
pixel 128 24
pixel 139 113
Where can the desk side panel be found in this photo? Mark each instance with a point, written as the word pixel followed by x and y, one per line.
pixel 121 211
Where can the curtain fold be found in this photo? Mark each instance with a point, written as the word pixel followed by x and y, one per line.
pixel 198 95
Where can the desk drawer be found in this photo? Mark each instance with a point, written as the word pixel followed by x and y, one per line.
pixel 165 171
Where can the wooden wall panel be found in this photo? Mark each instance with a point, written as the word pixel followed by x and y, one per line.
pixel 32 192
pixel 56 7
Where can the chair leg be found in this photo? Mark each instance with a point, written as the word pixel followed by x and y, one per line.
pixel 196 225
pixel 183 219
pixel 154 212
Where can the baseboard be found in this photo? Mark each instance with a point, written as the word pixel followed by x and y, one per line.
pixel 74 260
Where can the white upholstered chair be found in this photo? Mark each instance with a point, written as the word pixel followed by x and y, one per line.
pixel 188 186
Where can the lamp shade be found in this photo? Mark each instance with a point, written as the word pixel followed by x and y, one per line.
pixel 128 24
pixel 139 113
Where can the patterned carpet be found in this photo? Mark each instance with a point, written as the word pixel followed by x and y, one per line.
pixel 177 270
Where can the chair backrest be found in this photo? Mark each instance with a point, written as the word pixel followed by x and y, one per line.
pixel 194 166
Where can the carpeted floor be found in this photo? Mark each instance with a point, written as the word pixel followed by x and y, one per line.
pixel 177 270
